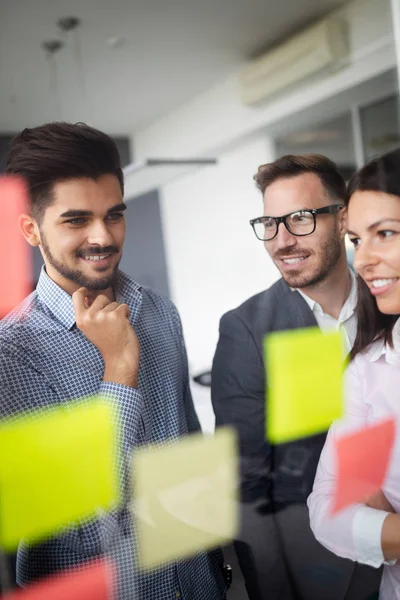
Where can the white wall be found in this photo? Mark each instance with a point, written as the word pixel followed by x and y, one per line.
pixel 214 260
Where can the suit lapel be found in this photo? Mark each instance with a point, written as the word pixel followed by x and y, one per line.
pixel 297 312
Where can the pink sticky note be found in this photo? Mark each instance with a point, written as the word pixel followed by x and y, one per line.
pixel 15 265
pixel 363 460
pixel 91 583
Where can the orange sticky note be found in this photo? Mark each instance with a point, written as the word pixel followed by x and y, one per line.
pixel 15 265
pixel 90 583
pixel 363 460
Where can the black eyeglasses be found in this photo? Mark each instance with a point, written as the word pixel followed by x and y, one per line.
pixel 301 222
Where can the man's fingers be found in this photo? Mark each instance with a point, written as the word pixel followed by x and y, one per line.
pixel 124 308
pixel 99 303
pixel 110 307
pixel 82 304
pixel 78 299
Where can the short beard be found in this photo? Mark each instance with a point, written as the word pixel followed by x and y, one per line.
pixel 75 275
pixel 329 258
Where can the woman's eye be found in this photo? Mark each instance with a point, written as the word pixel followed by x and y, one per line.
pixel 385 233
pixel 355 241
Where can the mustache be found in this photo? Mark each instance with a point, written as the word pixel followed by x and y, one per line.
pixel 96 250
pixel 292 252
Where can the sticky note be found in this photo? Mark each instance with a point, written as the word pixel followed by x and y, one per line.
pixel 185 496
pixel 56 467
pixel 304 370
pixel 15 266
pixel 362 462
pixel 89 583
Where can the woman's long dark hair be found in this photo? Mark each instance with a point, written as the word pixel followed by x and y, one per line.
pixel 372 324
pixel 379 175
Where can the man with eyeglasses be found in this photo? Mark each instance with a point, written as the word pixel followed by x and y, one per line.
pixel 302 228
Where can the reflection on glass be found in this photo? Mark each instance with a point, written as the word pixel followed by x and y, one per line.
pixel 380 127
pixel 332 138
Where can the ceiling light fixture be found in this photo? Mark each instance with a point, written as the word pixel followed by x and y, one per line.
pixel 68 23
pixel 52 46
pixel 69 27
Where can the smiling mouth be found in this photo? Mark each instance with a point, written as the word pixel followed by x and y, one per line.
pixel 381 283
pixel 96 257
pixel 296 260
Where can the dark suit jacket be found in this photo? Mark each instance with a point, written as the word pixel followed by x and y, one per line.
pixel 271 478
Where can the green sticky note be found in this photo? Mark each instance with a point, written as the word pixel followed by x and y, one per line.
pixel 57 466
pixel 185 496
pixel 304 369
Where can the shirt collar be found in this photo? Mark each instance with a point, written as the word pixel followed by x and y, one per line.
pixel 311 303
pixel 348 307
pixel 59 302
pixel 379 348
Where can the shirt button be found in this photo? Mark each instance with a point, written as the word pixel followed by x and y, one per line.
pixel 178 594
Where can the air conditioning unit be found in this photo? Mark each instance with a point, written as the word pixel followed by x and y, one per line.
pixel 322 46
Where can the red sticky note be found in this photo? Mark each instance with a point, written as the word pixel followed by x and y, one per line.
pixel 15 265
pixel 363 460
pixel 91 583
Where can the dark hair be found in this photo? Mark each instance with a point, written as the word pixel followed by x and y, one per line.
pixel 381 174
pixel 291 165
pixel 57 151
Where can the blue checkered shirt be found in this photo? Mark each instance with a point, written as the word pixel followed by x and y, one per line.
pixel 46 360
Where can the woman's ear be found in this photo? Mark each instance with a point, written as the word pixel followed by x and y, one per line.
pixel 29 229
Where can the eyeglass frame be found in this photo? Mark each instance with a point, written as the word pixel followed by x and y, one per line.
pixel 330 209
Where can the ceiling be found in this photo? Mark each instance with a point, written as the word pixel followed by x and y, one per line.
pixel 170 52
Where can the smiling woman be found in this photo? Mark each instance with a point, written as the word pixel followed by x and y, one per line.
pixel 374 230
pixel 369 532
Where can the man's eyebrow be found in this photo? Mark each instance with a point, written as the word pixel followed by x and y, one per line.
pixel 88 213
pixel 117 208
pixel 76 213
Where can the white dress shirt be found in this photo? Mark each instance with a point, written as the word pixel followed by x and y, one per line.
pixel 372 395
pixel 346 323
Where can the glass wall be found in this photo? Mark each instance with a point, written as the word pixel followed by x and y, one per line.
pixel 380 126
pixel 333 138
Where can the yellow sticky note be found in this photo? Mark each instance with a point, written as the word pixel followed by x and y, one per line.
pixel 304 369
pixel 185 496
pixel 56 467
